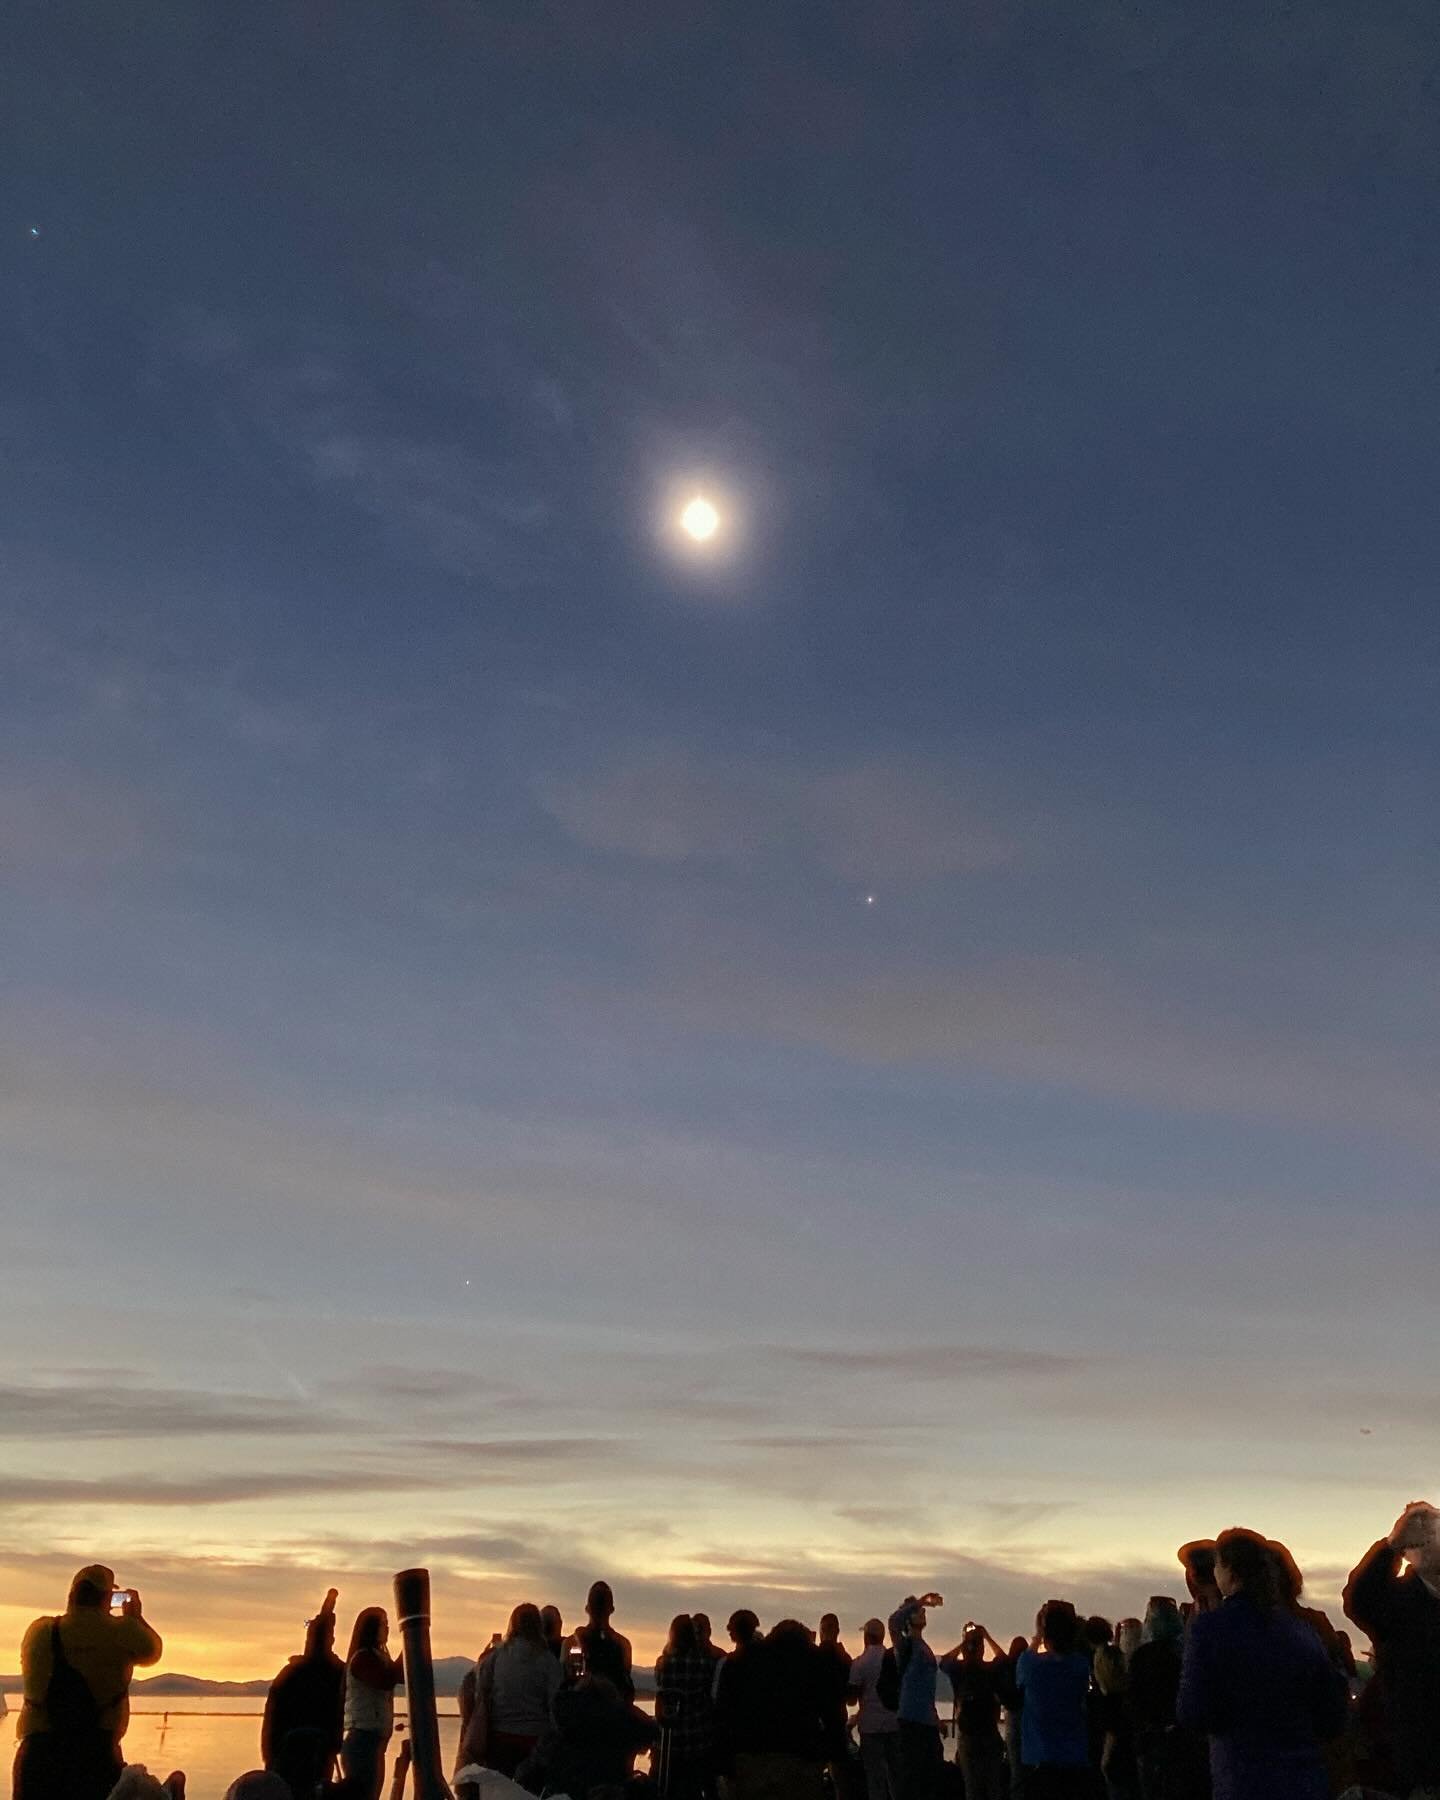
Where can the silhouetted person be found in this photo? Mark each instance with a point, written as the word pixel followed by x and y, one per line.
pixel 371 1678
pixel 1393 1596
pixel 738 1686
pixel 307 1696
pixel 465 1694
pixel 1198 1561
pixel 1014 1702
pixel 788 1722
pixel 877 1723
pixel 835 1663
pixel 978 1689
pixel 592 1744
pixel 515 1688
pixel 1112 1732
pixel 704 1636
pixel 1171 1764
pixel 554 1628
pixel 685 1709
pixel 1054 1684
pixel 1257 1680
pixel 921 1752
pixel 605 1651
pixel 76 1670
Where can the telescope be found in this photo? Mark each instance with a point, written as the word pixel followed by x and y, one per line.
pixel 412 1608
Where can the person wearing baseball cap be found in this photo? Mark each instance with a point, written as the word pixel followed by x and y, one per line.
pixel 76 1670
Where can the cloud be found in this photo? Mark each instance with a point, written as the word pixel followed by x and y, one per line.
pixel 875 820
pixel 1059 1021
pixel 437 498
pixel 525 1451
pixel 113 1410
pixel 939 1362
pixel 222 1488
pixel 414 1386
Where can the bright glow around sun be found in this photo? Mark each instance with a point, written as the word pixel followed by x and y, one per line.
pixel 700 519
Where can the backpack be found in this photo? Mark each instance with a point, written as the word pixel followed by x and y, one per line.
pixel 887 1682
pixel 69 1704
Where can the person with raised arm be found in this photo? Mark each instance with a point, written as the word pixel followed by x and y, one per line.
pixel 306 1701
pixel 76 1670
pixel 978 1689
pixel 921 1752
pixel 1393 1596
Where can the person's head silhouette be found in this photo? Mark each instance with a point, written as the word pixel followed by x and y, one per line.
pixel 829 1629
pixel 1059 1627
pixel 525 1623
pixel 743 1627
pixel 1246 1564
pixel 599 1603
pixel 682 1635
pixel 873 1631
pixel 92 1586
pixel 371 1630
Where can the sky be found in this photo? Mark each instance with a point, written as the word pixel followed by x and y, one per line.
pixel 895 1049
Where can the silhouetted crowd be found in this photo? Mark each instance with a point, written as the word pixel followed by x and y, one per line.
pixel 1239 1692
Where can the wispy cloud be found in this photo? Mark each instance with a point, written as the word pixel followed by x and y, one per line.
pixel 113 1410
pixel 873 820
pixel 313 410
pixel 939 1362
pixel 223 1488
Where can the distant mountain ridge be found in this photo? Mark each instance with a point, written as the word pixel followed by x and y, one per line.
pixel 450 1671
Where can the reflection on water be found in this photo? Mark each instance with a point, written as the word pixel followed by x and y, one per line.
pixel 211 1747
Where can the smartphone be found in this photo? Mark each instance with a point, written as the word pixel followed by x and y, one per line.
pixel 575 1662
pixel 119 1600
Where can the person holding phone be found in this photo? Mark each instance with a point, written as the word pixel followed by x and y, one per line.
pixel 921 1752
pixel 77 1669
pixel 978 1690
pixel 1393 1596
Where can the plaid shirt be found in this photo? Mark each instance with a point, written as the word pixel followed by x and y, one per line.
pixel 683 1679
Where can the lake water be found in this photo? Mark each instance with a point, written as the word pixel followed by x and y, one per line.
pixel 216 1740
pixel 213 1743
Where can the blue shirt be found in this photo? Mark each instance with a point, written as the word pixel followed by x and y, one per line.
pixel 1054 1723
pixel 917 1682
pixel 1262 1686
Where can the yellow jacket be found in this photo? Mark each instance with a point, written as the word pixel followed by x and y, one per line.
pixel 104 1649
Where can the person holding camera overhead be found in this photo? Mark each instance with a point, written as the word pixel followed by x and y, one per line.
pixel 77 1670
pixel 979 1688
pixel 921 1754
pixel 1393 1595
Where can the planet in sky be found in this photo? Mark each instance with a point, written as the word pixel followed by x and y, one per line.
pixel 700 519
